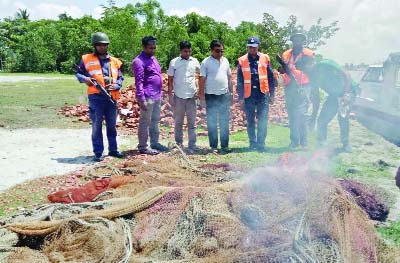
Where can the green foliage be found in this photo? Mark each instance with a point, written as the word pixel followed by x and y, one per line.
pixel 54 45
pixel 121 25
pixel 38 48
pixel 391 233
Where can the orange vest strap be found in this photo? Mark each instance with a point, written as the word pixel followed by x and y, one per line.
pixel 300 76
pixel 93 67
pixel 263 64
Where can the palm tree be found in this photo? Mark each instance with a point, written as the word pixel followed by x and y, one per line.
pixel 22 14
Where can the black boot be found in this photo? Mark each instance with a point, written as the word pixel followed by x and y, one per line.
pixel 116 154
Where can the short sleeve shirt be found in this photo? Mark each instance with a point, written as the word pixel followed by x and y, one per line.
pixel 184 73
pixel 217 73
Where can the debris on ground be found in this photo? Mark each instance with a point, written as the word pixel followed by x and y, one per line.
pixel 366 199
pixel 223 166
pixel 89 191
pixel 128 109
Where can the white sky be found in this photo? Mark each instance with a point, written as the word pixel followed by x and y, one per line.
pixel 369 29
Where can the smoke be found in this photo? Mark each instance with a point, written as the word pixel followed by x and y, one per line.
pixel 286 204
pixel 301 214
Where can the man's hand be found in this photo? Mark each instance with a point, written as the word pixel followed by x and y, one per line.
pixel 202 103
pixel 88 81
pixel 241 103
pixel 281 70
pixel 142 104
pixel 271 100
pixel 345 99
pixel 111 87
pixel 171 99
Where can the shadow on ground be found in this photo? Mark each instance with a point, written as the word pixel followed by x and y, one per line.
pixel 75 160
pixel 273 150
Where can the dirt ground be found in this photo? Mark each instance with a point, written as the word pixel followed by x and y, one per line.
pixel 32 153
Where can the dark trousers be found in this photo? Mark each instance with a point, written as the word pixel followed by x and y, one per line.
pixel 315 103
pixel 184 107
pixel 297 103
pixel 99 108
pixel 328 111
pixel 259 108
pixel 217 111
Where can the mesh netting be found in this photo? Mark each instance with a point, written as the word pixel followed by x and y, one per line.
pixel 289 213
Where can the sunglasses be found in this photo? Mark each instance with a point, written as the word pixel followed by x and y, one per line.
pixel 218 50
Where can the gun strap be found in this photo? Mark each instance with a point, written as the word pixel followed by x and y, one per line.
pixel 109 69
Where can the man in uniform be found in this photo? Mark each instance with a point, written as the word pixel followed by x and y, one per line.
pixel 297 90
pixel 255 86
pixel 106 70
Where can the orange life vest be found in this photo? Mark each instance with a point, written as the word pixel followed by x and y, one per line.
pixel 263 63
pixel 93 67
pixel 300 76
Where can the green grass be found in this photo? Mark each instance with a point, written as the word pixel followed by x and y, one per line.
pixel 391 233
pixel 35 104
pixel 18 198
pixel 277 141
pixel 53 74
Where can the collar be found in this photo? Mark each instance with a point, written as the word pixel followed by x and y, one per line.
pixel 145 55
pixel 190 58
pixel 300 51
pixel 107 56
pixel 217 59
pixel 251 57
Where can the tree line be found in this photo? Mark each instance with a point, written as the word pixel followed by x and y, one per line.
pixel 55 45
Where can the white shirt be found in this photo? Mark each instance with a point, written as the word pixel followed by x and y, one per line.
pixel 217 73
pixel 184 73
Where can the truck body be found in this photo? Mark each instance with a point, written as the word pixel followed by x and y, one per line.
pixel 378 104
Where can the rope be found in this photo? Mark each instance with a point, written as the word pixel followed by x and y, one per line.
pixel 129 206
pixel 193 167
pixel 89 173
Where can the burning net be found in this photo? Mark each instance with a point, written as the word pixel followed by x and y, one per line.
pixel 286 213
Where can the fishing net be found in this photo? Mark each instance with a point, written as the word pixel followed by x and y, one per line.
pixel 291 212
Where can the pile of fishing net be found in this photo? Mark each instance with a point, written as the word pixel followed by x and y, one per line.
pixel 286 213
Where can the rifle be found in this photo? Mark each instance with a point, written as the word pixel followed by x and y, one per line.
pixel 98 86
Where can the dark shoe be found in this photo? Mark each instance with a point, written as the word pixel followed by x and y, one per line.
pixel 159 147
pixel 180 145
pixel 261 149
pixel 116 154
pixel 225 150
pixel 149 151
pixel 193 149
pixel 98 157
pixel 346 149
pixel 213 150
pixel 293 146
pixel 252 147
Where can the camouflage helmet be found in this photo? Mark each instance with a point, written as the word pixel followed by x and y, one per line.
pixel 100 37
pixel 298 34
